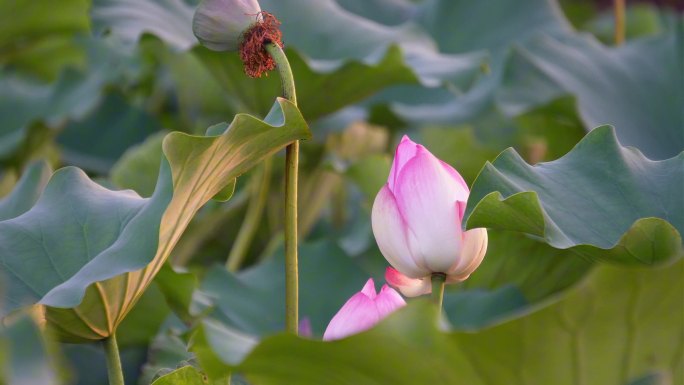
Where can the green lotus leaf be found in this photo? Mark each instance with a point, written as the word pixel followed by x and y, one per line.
pixel 178 288
pixel 144 320
pixel 352 80
pixel 87 253
pixel 253 300
pixel 25 102
pixel 655 378
pixel 370 174
pixel 317 38
pixel 641 20
pixel 88 362
pixel 120 125
pixel 8 178
pixel 168 350
pixel 171 20
pixel 136 168
pixel 615 328
pixel 535 268
pixel 621 87
pixel 231 309
pixel 368 57
pixel 461 25
pixel 517 275
pixel 186 375
pixel 544 133
pixel 601 200
pixel 31 30
pixel 26 192
pixel 201 99
pixel 27 355
pixel 388 12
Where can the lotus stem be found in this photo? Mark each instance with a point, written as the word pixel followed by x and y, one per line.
pixel 260 185
pixel 114 371
pixel 438 280
pixel 619 10
pixel 291 170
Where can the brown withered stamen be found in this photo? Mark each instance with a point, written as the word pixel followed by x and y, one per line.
pixel 254 56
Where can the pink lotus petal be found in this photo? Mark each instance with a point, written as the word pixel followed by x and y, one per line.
pixel 410 287
pixel 390 234
pixel 460 208
pixel 388 301
pixel 473 252
pixel 464 191
pixel 405 151
pixel 359 313
pixel 369 289
pixel 425 194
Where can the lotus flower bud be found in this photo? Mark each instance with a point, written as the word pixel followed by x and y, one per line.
pixel 363 310
pixel 305 327
pixel 417 220
pixel 220 24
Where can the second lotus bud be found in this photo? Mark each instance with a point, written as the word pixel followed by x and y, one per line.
pixel 220 24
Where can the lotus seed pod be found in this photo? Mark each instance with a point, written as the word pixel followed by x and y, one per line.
pixel 220 24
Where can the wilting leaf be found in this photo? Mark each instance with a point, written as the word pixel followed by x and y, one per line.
pixel 88 253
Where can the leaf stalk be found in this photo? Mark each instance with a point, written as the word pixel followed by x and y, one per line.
pixel 114 371
pixel 260 185
pixel 291 176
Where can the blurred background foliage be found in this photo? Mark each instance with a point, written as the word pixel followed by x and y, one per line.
pixel 98 84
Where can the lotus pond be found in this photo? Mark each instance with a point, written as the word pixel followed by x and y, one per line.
pixel 341 192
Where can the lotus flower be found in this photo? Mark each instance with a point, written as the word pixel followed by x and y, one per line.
pixel 417 218
pixel 220 24
pixel 363 310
